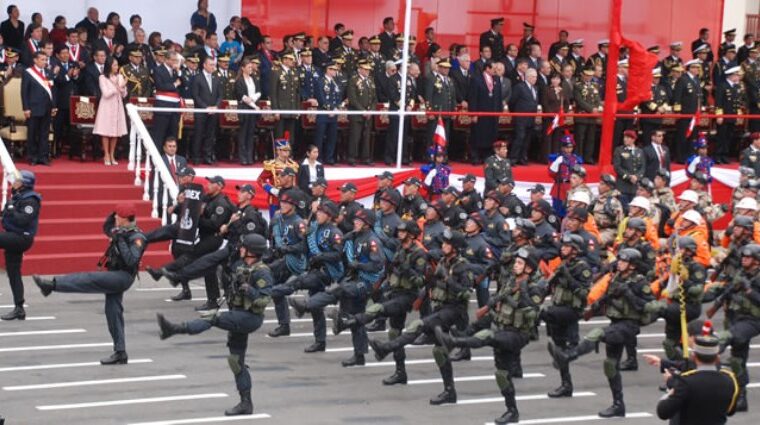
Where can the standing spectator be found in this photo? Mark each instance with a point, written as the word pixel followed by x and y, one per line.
pixel 32 45
pixel 387 37
pixel 247 92
pixel 232 48
pixel 154 40
pixel 553 98
pixel 120 33
pixel 92 72
pixel 36 20
pixel 59 33
pixel 135 24
pixel 108 41
pixel 485 96
pixel 202 18
pixel 266 55
pixel 656 155
pixel 207 94
pixel 66 81
pixel 251 35
pixel 524 99
pixel 38 102
pixel 110 121
pixel 78 53
pixel 12 29
pixel 90 23
pixel 310 170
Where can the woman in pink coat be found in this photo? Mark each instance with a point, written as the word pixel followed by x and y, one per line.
pixel 111 122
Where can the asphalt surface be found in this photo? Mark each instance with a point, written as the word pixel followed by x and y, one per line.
pixel 49 373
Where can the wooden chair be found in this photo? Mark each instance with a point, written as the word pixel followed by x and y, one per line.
pixel 82 111
pixel 15 133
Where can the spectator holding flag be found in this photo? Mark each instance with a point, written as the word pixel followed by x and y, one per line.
pixel 560 168
pixel 700 161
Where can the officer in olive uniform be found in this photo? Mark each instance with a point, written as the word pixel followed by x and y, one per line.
pixel 743 306
pixel 627 300
pixel 628 161
pixel 412 205
pixel 440 95
pixel 449 296
pixel 122 261
pixel 226 77
pixel 750 157
pixel 730 99
pixel 406 276
pixel 362 96
pixel 497 166
pixel 284 90
pixel 20 219
pixel 470 199
pixel 252 282
pixel 137 75
pixel 568 287
pixel 288 232
pixel 588 100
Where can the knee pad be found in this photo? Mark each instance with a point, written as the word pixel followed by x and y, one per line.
pixel 737 366
pixel 441 356
pixel 415 326
pixel 724 337
pixel 610 368
pixel 670 348
pixel 484 335
pixel 393 334
pixel 374 309
pixel 233 360
pixel 503 381
pixel 595 335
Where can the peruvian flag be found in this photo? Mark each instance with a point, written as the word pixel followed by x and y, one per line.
pixel 693 123
pixel 439 137
pixel 556 121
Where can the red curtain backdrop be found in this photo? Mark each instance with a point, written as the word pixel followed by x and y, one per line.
pixel 646 21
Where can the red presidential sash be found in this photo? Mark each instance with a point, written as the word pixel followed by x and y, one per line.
pixel 41 79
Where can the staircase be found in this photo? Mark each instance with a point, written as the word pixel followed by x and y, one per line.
pixel 76 198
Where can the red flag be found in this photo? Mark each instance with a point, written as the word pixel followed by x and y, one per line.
pixel 640 65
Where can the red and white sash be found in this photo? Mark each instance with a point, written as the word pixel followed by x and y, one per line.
pixel 41 79
pixel 32 47
pixel 75 50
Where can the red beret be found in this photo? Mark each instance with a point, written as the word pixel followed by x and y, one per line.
pixel 754 135
pixel 499 144
pixel 630 133
pixel 126 210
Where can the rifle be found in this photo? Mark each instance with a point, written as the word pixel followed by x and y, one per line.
pixel 724 297
pixel 425 291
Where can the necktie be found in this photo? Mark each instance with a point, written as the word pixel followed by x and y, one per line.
pixel 210 87
pixel 659 154
pixel 172 167
pixel 110 45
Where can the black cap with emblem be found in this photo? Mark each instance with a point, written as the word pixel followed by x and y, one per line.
pixel 348 187
pixel 451 190
pixel 320 181
pixel 246 188
pixel 385 175
pixel 538 188
pixel 185 171
pixel 287 171
pixel 468 178
pixel 413 180
pixel 216 179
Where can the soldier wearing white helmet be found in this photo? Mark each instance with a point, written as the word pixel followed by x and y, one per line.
pixel 578 185
pixel 692 224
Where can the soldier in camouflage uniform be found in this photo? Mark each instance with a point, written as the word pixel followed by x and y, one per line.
pixel 710 211
pixel 662 191
pixel 607 210
pixel 497 166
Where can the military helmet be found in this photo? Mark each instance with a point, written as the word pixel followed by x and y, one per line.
pixel 255 244
pixel 28 178
pixel 751 250
pixel 646 184
pixel 366 216
pixel 477 217
pixel 440 207
pixel 637 224
pixel 391 196
pixel 329 208
pixel 543 207
pixel 574 241
pixel 409 226
pixel 744 221
pixel 455 238
pixel 629 254
pixel 526 226
pixel 528 254
pixel 687 242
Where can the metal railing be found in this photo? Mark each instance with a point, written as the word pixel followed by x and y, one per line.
pixel 9 171
pixel 142 148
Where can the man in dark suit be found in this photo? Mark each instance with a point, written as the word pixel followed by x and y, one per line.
pixel 494 39
pixel 38 102
pixel 524 99
pixel 167 82
pixel 66 77
pixel 656 155
pixel 108 43
pixel 704 38
pixel 90 23
pixel 173 163
pixel 207 94
pixel 461 76
pixel 32 45
pixel 387 37
pixel 484 96
pixel 89 80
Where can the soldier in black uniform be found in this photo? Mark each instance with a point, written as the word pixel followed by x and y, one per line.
pixel 453 216
pixel 750 157
pixel 511 206
pixel 252 281
pixel 122 260
pixel 449 295
pixel 730 99
pixel 687 99
pixel 434 227
pixel 412 205
pixel 628 161
pixel 479 254
pixel 348 207
pixel 494 39
pixel 406 276
pixel 540 214
pixel 470 199
pixel 627 300
pixel 384 181
pixel 496 229
pixel 497 166
pixel 20 219
pixel 386 221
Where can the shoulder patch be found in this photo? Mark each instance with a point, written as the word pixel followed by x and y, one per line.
pixel 586 273
pixel 699 275
pixel 337 238
pixel 250 226
pixel 28 209
pixel 420 261
pixel 139 242
pixel 219 210
pixel 373 246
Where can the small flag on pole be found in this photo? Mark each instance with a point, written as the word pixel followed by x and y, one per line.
pixel 692 124
pixel 556 122
pixel 439 137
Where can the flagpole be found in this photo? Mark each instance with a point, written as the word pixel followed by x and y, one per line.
pixel 610 96
pixel 404 70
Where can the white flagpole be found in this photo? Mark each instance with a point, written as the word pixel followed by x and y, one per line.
pixel 404 69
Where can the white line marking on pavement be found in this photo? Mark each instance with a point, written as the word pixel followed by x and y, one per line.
pixel 40 317
pixel 130 401
pixel 636 415
pixel 347 349
pixel 754 385
pixel 468 379
pixel 528 397
pixel 94 382
pixel 423 361
pixel 308 334
pixel 11 305
pixel 651 335
pixel 65 365
pixel 55 347
pixel 274 321
pixel 660 350
pixel 166 289
pixel 49 332
pixel 206 420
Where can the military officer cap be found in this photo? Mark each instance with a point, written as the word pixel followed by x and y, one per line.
pixel 287 55
pixel 701 177
pixel 159 51
pixel 451 190
pixel 256 60
pixel 454 238
pixel 526 226
pixel 654 49
pixel 413 180
pixel 126 210
pixel 676 45
pixel 734 70
pixel 577 43
pixel 677 68
pixel 320 181
pixel 365 65
pixel 747 171
pixel 246 188
pixel 687 242
pixel 390 195
pixel 385 175
pixel 499 144
pixel 693 62
pixel 347 35
pixel 588 71
pixel 528 254
pixel 578 213
pixel 629 255
pixel 439 207
pixel 543 207
pixel 754 135
pixel 574 241
pixel 290 197
pixel 135 53
pixel 506 180
pixel 399 38
pixel 603 42
pixel 305 52
pixel 288 171
pixel 496 196
pixel 255 243
pixel 702 48
pixel 657 72
pixel 630 133
pixel 578 170
pixel 340 60
pixel 623 63
pixel 477 217
pixel 216 179
pixel 444 63
pixel 706 345
pixel 409 226
pixel 497 21
pixel 185 171
pixel 751 250
pixel 300 36
pixel 332 65
pixel 637 223
pixel 538 188
pixel 744 221
pixel 193 59
pixel 747 204
pixel 469 177
pixel 329 208
pixel 732 31
pixel 646 184
pixel 608 179
pixel 223 58
pixel 348 186
pixel 528 26
pixel 664 173
pixel 375 40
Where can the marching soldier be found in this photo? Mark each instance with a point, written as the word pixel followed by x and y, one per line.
pixel 252 282
pixel 730 99
pixel 270 176
pixel 479 254
pixel 283 92
pixel 588 99
pixel 412 205
pixel 628 161
pixel 434 228
pixel 362 96
pixel 348 207
pixel 137 75
pixel 386 221
pixel 470 199
pixel 497 166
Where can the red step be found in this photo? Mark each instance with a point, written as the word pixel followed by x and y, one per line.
pixel 76 243
pixel 84 177
pixel 67 192
pixel 80 226
pixel 88 208
pixel 47 264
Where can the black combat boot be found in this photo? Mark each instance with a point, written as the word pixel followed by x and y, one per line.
pixel 17 313
pixel 282 330
pixel 462 354
pixel 168 328
pixel 629 365
pixel 208 305
pixel 449 394
pixel 618 407
pixel 173 277
pixel 298 305
pixel 356 360
pixel 566 388
pixel 398 377
pixel 46 285
pixel 511 415
pixel 377 326
pixel 564 356
pixel 338 325
pixel 741 400
pixel 183 295
pixel 380 348
pixel 315 348
pixel 245 407
pixel 118 357
pixel 155 274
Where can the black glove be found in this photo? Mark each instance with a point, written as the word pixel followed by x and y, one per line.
pixel 316 260
pixel 245 288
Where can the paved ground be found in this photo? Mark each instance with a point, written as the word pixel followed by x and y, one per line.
pixel 49 374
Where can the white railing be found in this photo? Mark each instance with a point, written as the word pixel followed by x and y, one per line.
pixel 9 171
pixel 141 142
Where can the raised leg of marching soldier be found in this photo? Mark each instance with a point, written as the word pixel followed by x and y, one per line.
pixel 741 333
pixel 672 316
pixel 562 327
pixel 464 353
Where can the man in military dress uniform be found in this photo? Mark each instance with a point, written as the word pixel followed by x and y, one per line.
pixel 673 59
pixel 362 96
pixel 600 57
pixel 328 95
pixel 687 99
pixel 575 58
pixel 658 104
pixel 494 39
pixel 284 90
pixel 347 52
pixel 137 75
pixel 730 99
pixel 628 161
pixel 440 94
pixel 497 166
pixel 226 77
pixel 728 43
pixel 269 179
pixel 588 100
pixel 750 157
pixel 190 70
